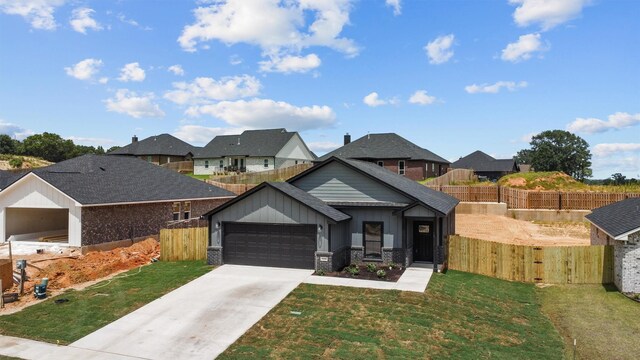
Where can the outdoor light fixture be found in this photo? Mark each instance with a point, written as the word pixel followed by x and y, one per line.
pixel 319 228
pixel 218 225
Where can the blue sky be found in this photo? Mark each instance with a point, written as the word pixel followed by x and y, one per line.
pixel 451 76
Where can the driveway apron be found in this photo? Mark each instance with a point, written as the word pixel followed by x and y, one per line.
pixel 200 319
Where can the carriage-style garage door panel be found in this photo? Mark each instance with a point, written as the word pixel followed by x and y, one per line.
pixel 278 245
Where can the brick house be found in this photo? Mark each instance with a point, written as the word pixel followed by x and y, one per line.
pixel 158 149
pixel 394 153
pixel 93 200
pixel 618 224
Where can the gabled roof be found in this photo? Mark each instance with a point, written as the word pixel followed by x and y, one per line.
pixel 9 177
pixel 96 180
pixel 383 146
pixel 618 218
pixel 480 161
pixel 436 200
pixel 294 193
pixel 250 143
pixel 163 144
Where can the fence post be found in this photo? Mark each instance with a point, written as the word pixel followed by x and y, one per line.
pixel 559 201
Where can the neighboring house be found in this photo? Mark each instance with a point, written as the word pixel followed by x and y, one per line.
pixel 252 151
pixel 158 149
pixel 338 212
pixel 393 152
pixel 618 224
pixel 486 166
pixel 94 199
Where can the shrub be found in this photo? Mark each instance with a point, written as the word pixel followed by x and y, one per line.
pixel 371 267
pixel 353 269
pixel 321 273
pixel 381 273
pixel 15 162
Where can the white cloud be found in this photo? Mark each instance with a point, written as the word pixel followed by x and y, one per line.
pixel 290 64
pixel 200 135
pixel 494 88
pixel 235 59
pixel 13 130
pixel 439 50
pixel 132 72
pixel 373 100
pixel 604 150
pixel 90 141
pixel 323 146
pixel 85 69
pixel 176 70
pixel 619 120
pixel 279 28
pixel 421 97
pixel 39 13
pixel 132 104
pixel 523 48
pixel 205 89
pixel 132 22
pixel 395 4
pixel 266 113
pixel 103 80
pixel 81 20
pixel 548 13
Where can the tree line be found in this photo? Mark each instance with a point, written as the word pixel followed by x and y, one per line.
pixel 48 146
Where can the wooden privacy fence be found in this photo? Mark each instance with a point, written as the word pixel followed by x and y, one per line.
pixel 234 188
pixel 179 166
pixel 550 264
pixel 262 176
pixel 454 175
pixel 531 199
pixel 183 244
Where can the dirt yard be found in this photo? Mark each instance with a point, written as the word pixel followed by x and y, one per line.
pixel 507 230
pixel 69 269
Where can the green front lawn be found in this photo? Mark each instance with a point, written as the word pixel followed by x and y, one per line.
pixel 604 322
pixel 461 316
pixel 90 309
pixel 199 177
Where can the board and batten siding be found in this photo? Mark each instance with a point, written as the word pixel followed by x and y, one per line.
pixel 33 192
pixel 269 206
pixel 392 227
pixel 340 235
pixel 420 212
pixel 336 182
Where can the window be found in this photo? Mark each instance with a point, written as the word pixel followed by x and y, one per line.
pixel 187 210
pixel 206 164
pixel 266 163
pixel 433 167
pixel 372 240
pixel 381 163
pixel 176 211
pixel 296 162
pixel 401 167
pixel 221 164
pixel 150 158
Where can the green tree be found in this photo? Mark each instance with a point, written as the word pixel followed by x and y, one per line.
pixel 559 150
pixel 48 146
pixel 8 145
pixel 618 179
pixel 113 148
pixel 523 156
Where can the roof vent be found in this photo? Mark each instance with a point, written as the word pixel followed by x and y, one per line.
pixel 347 138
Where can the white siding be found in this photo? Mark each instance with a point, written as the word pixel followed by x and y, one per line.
pixel 336 182
pixel 33 192
pixel 256 164
pixel 272 207
pixel 294 149
pixel 200 169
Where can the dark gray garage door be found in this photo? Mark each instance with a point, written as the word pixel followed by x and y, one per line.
pixel 278 245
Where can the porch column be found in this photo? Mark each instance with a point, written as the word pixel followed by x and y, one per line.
pixel 435 243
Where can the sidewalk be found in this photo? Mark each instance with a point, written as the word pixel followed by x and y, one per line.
pixel 413 279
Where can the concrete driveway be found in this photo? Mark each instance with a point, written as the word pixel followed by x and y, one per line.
pixel 200 319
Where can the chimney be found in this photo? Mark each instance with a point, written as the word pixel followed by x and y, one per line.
pixel 347 138
pixel 134 139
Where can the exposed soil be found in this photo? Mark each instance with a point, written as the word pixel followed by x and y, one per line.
pixel 70 269
pixel 511 231
pixel 392 273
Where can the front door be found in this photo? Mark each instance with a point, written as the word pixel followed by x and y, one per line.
pixel 423 241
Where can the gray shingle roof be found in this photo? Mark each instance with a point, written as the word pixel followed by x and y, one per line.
pixel 95 179
pixel 250 143
pixel 8 177
pixel 384 146
pixel 617 218
pixel 163 144
pixel 294 193
pixel 436 200
pixel 480 161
